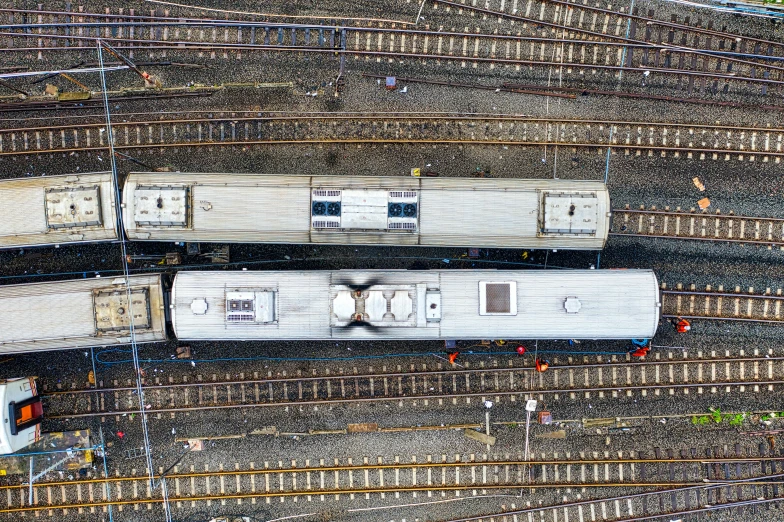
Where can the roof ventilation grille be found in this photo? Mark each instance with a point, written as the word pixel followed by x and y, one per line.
pixel 497 298
pixel 322 193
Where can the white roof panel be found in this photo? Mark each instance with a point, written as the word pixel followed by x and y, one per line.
pixel 462 212
pixel 49 210
pixel 570 214
pixel 160 205
pixel 79 313
pixel 543 304
pixel 72 207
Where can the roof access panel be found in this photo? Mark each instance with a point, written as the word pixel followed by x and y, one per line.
pixel 164 206
pixel 575 213
pixel 73 207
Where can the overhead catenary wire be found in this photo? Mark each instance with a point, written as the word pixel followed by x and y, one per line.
pixel 126 275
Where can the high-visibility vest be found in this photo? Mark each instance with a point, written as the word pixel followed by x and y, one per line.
pixel 683 325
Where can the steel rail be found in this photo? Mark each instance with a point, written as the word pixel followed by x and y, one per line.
pixel 365 116
pixel 437 465
pixel 431 396
pixel 424 373
pixel 196 23
pixel 716 302
pixel 724 294
pixel 79 14
pixel 695 214
pixel 707 487
pixel 180 44
pixel 714 228
pixel 641 518
pixel 354 491
pixel 150 44
pixel 390 142
pixel 704 239
pixel 635 136
pixel 648 21
pixel 523 88
pixel 457 465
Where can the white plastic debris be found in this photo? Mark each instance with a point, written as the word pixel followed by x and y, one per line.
pixel 404 89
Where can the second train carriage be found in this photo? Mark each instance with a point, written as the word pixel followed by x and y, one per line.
pixel 53 210
pixel 81 313
pixel 343 304
pixel 405 304
pixel 459 212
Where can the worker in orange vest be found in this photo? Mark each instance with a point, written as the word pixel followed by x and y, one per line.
pixel 640 347
pixel 453 357
pixel 542 365
pixel 681 325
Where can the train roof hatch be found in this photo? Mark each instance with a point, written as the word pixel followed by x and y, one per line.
pixel 165 206
pixel 112 313
pixel 570 213
pixel 71 207
pixel 498 298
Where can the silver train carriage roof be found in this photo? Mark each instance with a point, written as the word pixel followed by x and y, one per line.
pixel 81 313
pixel 376 210
pixel 404 304
pixel 55 210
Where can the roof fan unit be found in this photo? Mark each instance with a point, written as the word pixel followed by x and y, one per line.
pixel 402 213
pixel 326 209
pixel 333 208
pixel 319 208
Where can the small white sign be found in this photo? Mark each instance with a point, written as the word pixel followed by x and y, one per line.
pixel 530 405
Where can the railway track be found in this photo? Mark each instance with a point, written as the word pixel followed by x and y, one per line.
pixel 687 140
pixel 742 495
pixel 696 225
pixel 612 21
pixel 719 304
pixel 463 475
pixel 565 380
pixel 679 64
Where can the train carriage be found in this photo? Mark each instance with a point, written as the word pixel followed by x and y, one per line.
pixel 21 414
pixel 405 304
pixel 81 313
pixel 458 212
pixel 55 210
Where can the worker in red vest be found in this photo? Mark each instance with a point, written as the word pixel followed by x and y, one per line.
pixel 542 365
pixel 681 325
pixel 640 347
